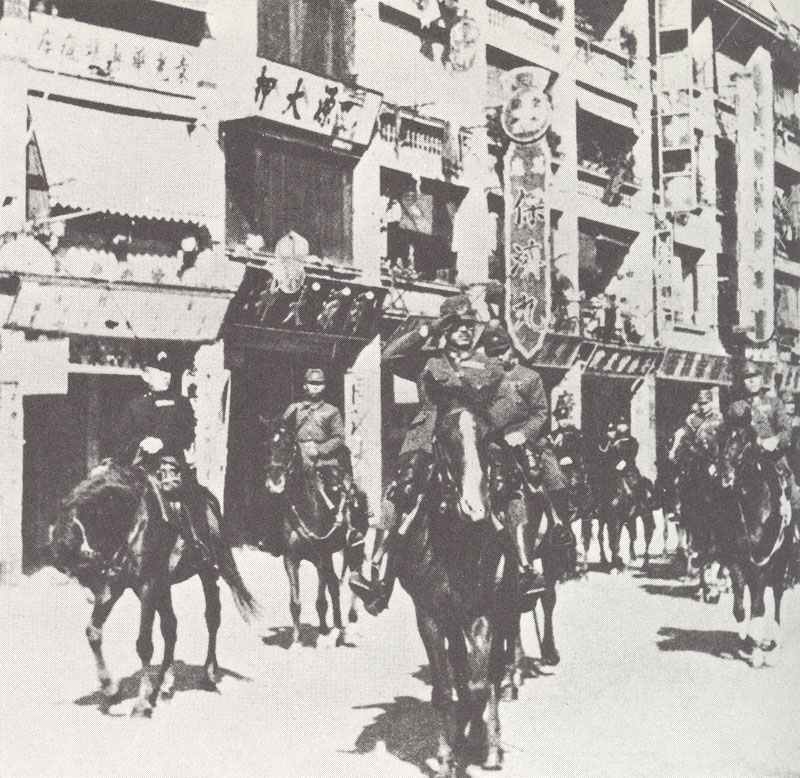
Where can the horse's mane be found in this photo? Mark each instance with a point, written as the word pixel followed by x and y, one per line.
pixel 109 482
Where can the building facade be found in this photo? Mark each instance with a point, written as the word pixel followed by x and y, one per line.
pixel 289 185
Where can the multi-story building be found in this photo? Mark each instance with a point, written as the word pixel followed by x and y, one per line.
pixel 335 169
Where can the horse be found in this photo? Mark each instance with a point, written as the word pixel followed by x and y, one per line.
pixel 111 535
pixel 310 529
pixel 453 565
pixel 530 513
pixel 752 533
pixel 622 505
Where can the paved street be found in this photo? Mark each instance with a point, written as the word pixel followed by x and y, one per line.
pixel 646 686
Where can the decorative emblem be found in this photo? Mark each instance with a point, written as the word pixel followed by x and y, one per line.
pixel 464 38
pixel 527 110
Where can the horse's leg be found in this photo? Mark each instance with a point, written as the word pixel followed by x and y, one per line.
pixel 104 603
pixel 633 534
pixel 550 655
pixel 586 537
pixel 513 655
pixel 739 613
pixel 322 600
pixel 169 632
pixel 457 651
pixel 649 523
pixel 336 600
pixel 614 526
pixel 602 532
pixel 442 693
pixel 213 620
pixel 485 667
pixel 757 620
pixel 149 595
pixel 291 564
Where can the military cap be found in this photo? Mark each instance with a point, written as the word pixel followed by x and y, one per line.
pixel 457 306
pixel 561 411
pixel 496 341
pixel 314 375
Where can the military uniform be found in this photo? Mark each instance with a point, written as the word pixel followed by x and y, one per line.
pixel 167 416
pixel 319 428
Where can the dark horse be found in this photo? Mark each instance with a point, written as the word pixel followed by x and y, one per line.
pixel 751 532
pixel 452 564
pixel 625 502
pixel 310 529
pixel 112 535
pixel 556 550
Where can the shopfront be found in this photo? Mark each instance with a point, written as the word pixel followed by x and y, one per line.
pixel 272 336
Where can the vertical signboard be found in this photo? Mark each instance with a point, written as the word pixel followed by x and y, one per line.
pixel 525 119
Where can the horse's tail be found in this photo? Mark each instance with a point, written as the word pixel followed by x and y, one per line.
pixel 220 549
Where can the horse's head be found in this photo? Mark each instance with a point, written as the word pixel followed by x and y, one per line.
pixel 281 454
pixel 736 461
pixel 462 449
pixel 95 519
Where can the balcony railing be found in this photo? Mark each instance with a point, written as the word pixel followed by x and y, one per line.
pixel 412 135
pixel 66 46
pixel 520 31
pixel 605 63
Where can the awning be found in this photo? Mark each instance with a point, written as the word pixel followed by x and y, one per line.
pixel 99 160
pixel 327 318
pixel 623 361
pixel 558 351
pixel 608 108
pixel 789 375
pixel 68 307
pixel 695 366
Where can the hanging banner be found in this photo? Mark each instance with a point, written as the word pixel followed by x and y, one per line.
pixel 525 118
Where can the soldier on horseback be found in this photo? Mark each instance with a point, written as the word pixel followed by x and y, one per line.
pixel 319 431
pixel 623 453
pixel 519 413
pixel 439 380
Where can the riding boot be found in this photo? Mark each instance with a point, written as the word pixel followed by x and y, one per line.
pixel 375 592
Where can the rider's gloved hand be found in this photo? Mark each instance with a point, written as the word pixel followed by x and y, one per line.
pixel 621 465
pixel 515 439
pixel 151 445
pixel 769 444
pixel 312 452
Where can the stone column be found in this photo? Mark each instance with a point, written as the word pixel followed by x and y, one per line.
pixel 643 424
pixel 11 459
pixel 369 242
pixel 362 410
pixel 211 408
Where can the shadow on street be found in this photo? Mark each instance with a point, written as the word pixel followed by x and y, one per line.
pixel 723 644
pixel 684 591
pixel 187 678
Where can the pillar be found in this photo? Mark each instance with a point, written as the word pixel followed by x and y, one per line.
pixel 643 423
pixel 362 410
pixel 11 459
pixel 212 406
pixel 14 38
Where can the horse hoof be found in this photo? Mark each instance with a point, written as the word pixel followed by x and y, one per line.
pixel 509 693
pixel 551 658
pixel 142 711
pixel 757 659
pixel 494 760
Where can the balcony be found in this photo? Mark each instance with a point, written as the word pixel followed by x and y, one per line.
pixel 523 33
pixel 607 69
pixel 67 47
pixel 787 141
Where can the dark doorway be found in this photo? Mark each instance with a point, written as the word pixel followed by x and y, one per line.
pixel 262 385
pixel 65 435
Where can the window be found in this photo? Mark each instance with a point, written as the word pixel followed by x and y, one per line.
pixel 274 187
pixel 788 307
pixel 314 35
pixel 419 237
pixel 688 308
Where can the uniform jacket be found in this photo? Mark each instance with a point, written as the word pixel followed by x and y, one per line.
pixel 164 415
pixel 625 450
pixel 568 442
pixel 471 382
pixel 319 423
pixel 520 404
pixel 693 430
pixel 769 418
pixel 404 357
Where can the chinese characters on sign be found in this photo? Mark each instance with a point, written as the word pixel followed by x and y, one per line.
pixel 305 101
pixel 525 118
